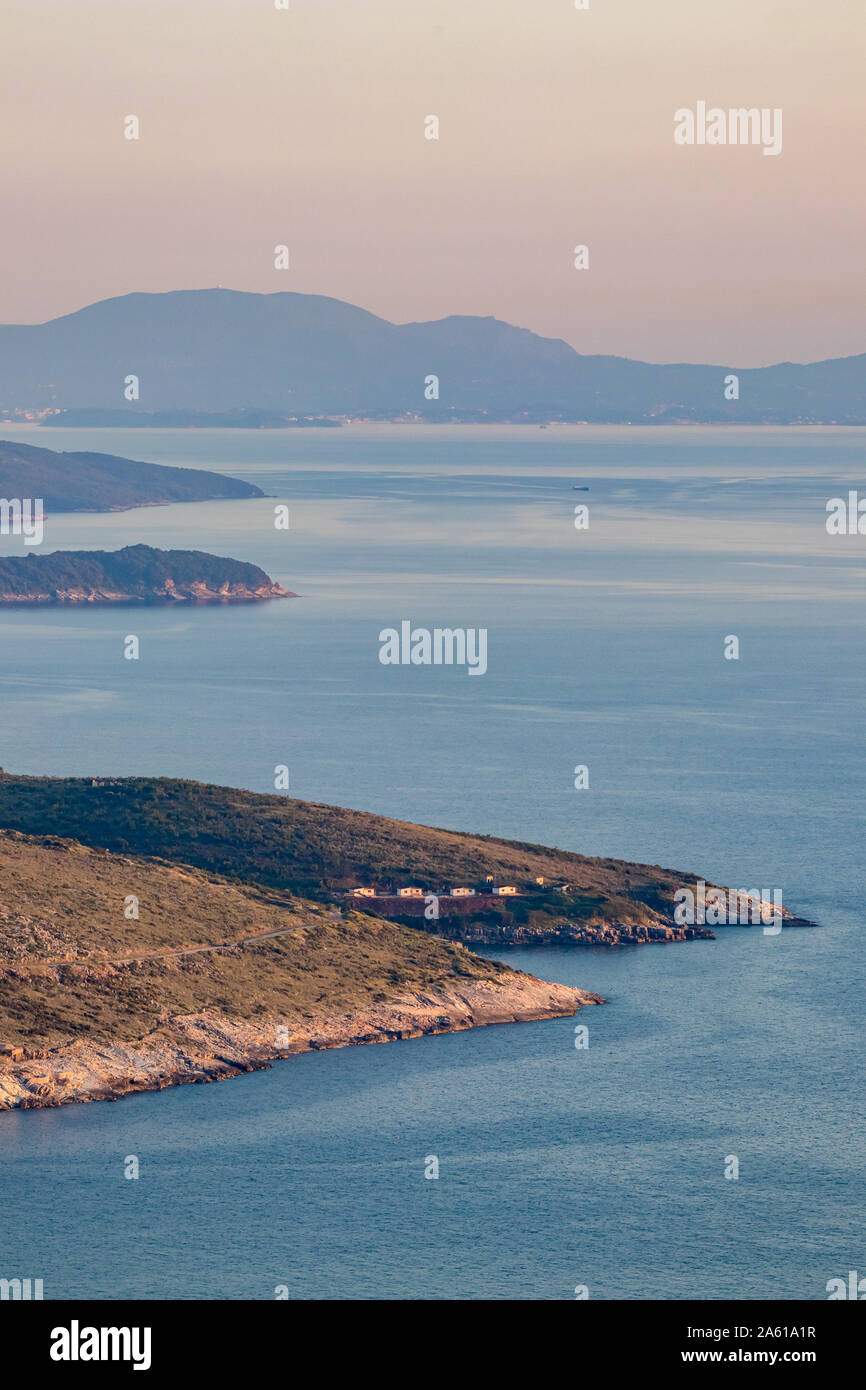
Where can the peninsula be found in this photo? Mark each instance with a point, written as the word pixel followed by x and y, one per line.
pixel 156 931
pixel 346 858
pixel 135 574
pixel 87 482
pixel 121 973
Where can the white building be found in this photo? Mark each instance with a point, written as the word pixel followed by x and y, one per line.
pixel 461 893
pixel 507 892
pixel 363 892
pixel 410 892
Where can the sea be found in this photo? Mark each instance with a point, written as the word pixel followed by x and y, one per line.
pixel 709 1141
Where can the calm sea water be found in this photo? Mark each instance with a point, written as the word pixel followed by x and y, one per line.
pixel 558 1167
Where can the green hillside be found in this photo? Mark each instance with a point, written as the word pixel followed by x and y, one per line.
pixel 322 851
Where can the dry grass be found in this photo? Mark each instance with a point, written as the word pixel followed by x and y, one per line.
pixel 67 950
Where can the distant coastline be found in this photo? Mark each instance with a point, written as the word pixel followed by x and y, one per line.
pixel 84 481
pixel 192 421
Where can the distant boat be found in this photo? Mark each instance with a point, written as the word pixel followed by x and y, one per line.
pixel 577 488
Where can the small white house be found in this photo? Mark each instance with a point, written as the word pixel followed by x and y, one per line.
pixel 410 892
pixel 461 892
pixel 363 892
pixel 507 892
pixel 539 880
pixel 488 878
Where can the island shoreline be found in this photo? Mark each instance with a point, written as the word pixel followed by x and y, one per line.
pixel 208 1046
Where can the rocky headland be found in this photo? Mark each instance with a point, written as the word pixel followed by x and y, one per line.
pixel 119 974
pixel 156 931
pixel 135 574
pixel 356 859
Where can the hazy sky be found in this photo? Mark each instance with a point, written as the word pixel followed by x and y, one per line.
pixel 306 127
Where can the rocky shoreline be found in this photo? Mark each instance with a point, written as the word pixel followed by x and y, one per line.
pixel 458 921
pixel 562 933
pixel 210 1046
pixel 135 574
pixel 168 593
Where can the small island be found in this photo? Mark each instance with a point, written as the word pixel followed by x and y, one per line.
pixel 135 574
pixel 88 482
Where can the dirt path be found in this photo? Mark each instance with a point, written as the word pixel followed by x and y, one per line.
pixel 334 916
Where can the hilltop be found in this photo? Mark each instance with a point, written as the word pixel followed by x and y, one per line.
pixel 135 574
pixel 121 973
pixel 88 482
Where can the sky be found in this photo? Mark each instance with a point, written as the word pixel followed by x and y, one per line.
pixel 306 128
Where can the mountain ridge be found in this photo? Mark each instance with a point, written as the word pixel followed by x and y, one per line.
pixel 208 352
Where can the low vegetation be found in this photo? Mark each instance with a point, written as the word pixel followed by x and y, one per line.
pixel 320 852
pixel 140 571
pixel 75 962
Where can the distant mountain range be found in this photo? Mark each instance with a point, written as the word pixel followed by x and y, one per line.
pixel 225 357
